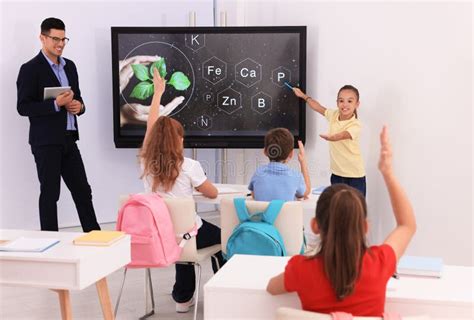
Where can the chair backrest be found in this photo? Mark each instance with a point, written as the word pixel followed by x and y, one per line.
pixel 289 222
pixel 284 313
pixel 183 214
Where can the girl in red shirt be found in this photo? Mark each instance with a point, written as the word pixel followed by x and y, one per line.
pixel 346 275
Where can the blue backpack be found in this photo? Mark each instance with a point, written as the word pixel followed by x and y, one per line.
pixel 256 234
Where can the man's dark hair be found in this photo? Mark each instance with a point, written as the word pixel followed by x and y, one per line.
pixel 52 23
pixel 278 144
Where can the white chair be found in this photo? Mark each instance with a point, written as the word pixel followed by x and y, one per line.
pixel 289 222
pixel 285 313
pixel 182 211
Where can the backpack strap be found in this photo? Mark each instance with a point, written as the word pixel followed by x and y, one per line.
pixel 272 211
pixel 144 200
pixel 186 236
pixel 241 209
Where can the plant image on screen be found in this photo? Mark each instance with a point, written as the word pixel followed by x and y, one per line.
pixel 145 88
pixel 225 85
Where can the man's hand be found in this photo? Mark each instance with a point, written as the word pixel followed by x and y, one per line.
pixel 64 98
pixel 74 106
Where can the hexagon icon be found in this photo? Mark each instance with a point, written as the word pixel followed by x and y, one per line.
pixel 208 97
pixel 195 41
pixel 261 102
pixel 248 72
pixel 281 75
pixel 214 70
pixel 229 100
pixel 204 122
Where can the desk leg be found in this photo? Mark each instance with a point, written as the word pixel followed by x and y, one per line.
pixel 104 298
pixel 65 303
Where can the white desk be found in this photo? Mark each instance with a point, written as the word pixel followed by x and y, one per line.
pixel 64 266
pixel 238 291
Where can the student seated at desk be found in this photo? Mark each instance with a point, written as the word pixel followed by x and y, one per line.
pixel 346 275
pixel 276 180
pixel 167 172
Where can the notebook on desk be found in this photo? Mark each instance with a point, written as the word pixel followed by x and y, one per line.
pixel 99 238
pixel 220 190
pixel 420 266
pixel 24 244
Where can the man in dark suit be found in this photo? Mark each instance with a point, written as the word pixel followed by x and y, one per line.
pixel 53 127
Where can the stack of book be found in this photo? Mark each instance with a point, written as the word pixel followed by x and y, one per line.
pixel 420 266
pixel 99 238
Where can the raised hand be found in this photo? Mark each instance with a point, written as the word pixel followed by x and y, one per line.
pixel 158 82
pixel 301 154
pixel 304 169
pixel 385 160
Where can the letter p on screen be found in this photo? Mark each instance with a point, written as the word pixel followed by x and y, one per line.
pixel 280 75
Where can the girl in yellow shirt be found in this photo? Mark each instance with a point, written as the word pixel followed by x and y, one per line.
pixel 347 165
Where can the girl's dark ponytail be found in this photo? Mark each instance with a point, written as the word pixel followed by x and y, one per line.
pixel 342 225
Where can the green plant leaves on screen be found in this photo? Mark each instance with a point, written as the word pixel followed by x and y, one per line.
pixel 143 90
pixel 140 71
pixel 179 81
pixel 160 65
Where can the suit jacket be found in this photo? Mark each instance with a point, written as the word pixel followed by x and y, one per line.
pixel 47 126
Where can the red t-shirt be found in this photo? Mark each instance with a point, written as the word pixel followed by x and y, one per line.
pixel 307 278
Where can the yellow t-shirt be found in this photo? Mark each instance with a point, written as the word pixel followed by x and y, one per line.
pixel 346 159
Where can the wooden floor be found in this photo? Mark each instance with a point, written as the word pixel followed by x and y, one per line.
pixel 31 303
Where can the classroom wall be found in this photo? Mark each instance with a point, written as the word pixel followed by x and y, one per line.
pixel 110 171
pixel 412 63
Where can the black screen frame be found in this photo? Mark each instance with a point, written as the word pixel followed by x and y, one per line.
pixel 213 141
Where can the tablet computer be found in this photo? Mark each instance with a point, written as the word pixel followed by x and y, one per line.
pixel 53 92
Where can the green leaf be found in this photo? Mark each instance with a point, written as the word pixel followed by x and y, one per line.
pixel 140 72
pixel 179 81
pixel 143 90
pixel 161 66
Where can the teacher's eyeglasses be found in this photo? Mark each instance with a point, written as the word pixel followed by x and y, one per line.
pixel 56 40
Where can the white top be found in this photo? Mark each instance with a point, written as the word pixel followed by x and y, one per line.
pixel 191 176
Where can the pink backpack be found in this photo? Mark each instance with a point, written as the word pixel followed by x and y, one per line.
pixel 147 219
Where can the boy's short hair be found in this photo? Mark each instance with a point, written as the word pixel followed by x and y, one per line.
pixel 52 23
pixel 279 143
